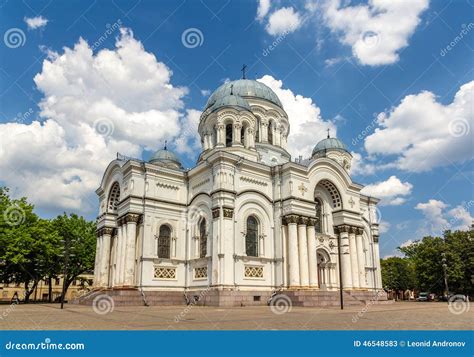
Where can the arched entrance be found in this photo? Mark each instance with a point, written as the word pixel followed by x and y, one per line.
pixel 323 268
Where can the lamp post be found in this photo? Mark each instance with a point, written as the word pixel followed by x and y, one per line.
pixel 66 255
pixel 445 266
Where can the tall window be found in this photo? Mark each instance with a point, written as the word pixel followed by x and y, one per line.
pixel 202 239
pixel 270 133
pixel 319 215
pixel 257 132
pixel 114 198
pixel 251 238
pixel 164 242
pixel 228 135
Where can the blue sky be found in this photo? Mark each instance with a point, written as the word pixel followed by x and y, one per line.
pixel 398 92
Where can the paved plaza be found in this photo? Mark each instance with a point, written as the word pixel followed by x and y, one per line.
pixel 396 316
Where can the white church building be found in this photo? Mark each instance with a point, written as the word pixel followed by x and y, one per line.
pixel 244 221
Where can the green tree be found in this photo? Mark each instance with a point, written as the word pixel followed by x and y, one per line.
pixel 78 235
pixel 398 274
pixel 426 256
pixel 27 243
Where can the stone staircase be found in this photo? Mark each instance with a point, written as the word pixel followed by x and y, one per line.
pixel 321 298
pixel 305 298
pixel 133 297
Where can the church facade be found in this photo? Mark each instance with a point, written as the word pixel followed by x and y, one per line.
pixel 246 219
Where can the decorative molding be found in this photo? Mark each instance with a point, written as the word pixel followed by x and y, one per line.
pixel 131 217
pixel 200 273
pixel 228 212
pixel 164 273
pixel 216 212
pixel 252 180
pixel 252 271
pixel 376 239
pixel 167 186
pixel 292 218
pixel 199 184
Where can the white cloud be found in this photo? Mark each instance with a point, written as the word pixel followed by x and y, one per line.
pixel 283 21
pixel 34 23
pixel 437 219
pixel 435 223
pixel 189 142
pixel 361 166
pixel 93 106
pixel 307 125
pixel 423 133
pixel 263 8
pixel 376 31
pixel 205 92
pixel 392 192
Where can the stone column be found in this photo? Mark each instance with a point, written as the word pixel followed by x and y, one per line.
pixel 236 135
pixel 312 258
pixel 303 252
pixel 264 132
pixel 105 257
pixel 118 254
pixel 251 138
pixel 293 265
pixel 361 257
pixel 129 274
pixel 345 262
pixel 220 130
pixel 97 265
pixel 122 252
pixel 277 136
pixel 354 260
pixel 378 272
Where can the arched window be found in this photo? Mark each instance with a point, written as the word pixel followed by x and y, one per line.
pixel 114 198
pixel 319 216
pixel 164 242
pixel 202 239
pixel 228 135
pixel 270 133
pixel 251 238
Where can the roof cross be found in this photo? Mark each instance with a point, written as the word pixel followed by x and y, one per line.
pixel 328 133
pixel 244 68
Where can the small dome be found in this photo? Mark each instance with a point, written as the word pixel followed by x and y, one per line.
pixel 244 88
pixel 166 157
pixel 329 144
pixel 230 100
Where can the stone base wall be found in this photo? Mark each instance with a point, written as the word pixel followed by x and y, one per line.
pixel 231 298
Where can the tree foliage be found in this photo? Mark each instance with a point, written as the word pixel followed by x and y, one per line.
pixel 32 249
pixel 427 255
